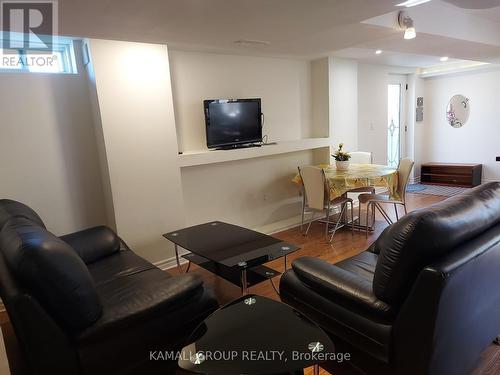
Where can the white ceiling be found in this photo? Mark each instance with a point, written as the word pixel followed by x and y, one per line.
pixel 410 60
pixel 294 28
pixel 489 14
pixel 474 4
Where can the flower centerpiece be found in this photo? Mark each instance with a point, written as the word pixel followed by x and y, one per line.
pixel 341 158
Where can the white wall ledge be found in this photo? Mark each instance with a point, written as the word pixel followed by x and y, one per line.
pixel 194 158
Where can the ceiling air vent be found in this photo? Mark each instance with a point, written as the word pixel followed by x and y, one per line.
pixel 252 43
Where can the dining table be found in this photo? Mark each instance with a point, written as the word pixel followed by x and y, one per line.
pixel 342 182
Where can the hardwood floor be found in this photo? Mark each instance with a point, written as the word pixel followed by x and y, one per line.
pixel 343 246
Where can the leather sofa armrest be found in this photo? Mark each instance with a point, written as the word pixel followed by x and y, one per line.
pixel 341 286
pixel 94 243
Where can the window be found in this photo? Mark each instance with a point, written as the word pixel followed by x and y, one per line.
pixel 60 60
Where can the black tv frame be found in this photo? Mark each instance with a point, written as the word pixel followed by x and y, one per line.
pixel 232 145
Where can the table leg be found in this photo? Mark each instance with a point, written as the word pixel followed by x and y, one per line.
pixel 286 265
pixel 244 285
pixel 316 370
pixel 177 258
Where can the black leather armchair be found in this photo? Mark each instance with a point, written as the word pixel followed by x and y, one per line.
pixel 85 303
pixel 423 299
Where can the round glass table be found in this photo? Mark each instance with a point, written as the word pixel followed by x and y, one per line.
pixel 255 335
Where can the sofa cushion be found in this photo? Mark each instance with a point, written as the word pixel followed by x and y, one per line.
pixel 336 317
pixel 122 264
pixel 348 283
pixel 362 264
pixel 50 271
pixel 11 209
pixel 104 351
pixel 425 235
pixel 136 298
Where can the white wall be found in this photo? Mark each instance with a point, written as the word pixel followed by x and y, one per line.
pixel 320 98
pixel 254 193
pixel 257 192
pixel 47 148
pixel 283 85
pixel 414 139
pixel 343 78
pixel 132 84
pixel 478 140
pixel 372 104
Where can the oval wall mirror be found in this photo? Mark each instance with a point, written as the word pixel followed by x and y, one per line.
pixel 457 112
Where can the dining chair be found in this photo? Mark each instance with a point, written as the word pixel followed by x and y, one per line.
pixel 317 198
pixel 361 157
pixel 398 198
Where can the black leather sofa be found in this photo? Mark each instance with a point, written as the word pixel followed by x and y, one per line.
pixel 423 299
pixel 84 303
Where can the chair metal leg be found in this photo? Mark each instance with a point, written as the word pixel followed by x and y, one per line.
pixel 406 211
pixel 352 218
pixel 368 205
pixel 359 212
pixel 373 215
pixel 303 212
pixel 384 214
pixel 396 210
pixel 310 222
pixel 327 221
pixel 338 222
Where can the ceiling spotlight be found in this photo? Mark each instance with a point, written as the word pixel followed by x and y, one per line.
pixel 444 59
pixel 406 23
pixel 412 3
pixel 378 52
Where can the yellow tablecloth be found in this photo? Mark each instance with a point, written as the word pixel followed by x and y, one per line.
pixel 358 175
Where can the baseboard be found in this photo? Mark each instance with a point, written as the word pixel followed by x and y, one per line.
pixel 169 263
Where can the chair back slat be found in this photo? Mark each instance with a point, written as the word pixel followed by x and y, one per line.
pixel 361 157
pixel 404 169
pixel 314 182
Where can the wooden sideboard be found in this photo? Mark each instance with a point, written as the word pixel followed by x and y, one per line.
pixel 449 174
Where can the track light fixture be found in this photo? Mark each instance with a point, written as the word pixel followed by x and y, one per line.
pixel 406 23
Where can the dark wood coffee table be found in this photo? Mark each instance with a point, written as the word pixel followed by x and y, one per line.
pixel 232 252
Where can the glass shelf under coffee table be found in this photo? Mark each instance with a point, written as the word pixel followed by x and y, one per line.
pixel 232 252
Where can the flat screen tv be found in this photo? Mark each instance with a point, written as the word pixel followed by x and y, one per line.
pixel 232 122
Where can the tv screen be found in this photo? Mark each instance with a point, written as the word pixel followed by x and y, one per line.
pixel 232 121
